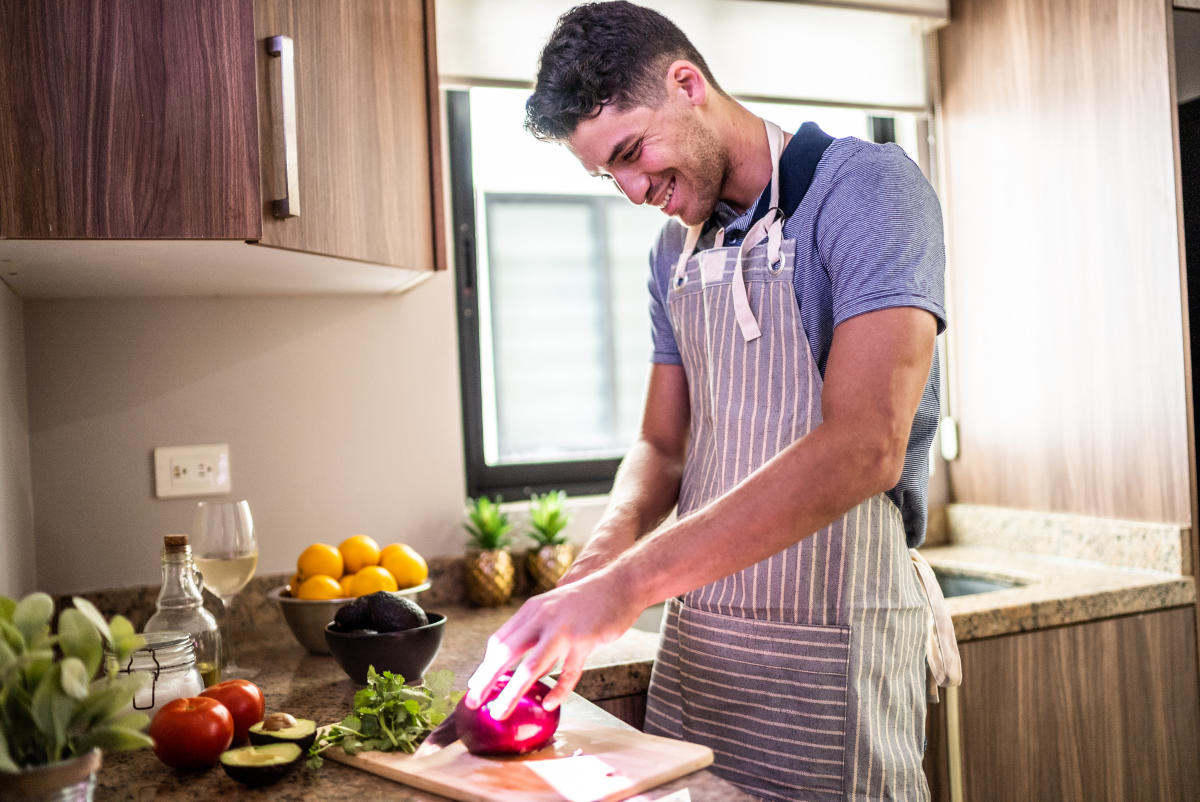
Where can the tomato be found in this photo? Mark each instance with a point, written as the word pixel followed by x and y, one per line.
pixel 244 700
pixel 191 732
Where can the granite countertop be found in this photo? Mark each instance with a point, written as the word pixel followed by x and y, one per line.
pixel 1114 568
pixel 1053 591
pixel 313 686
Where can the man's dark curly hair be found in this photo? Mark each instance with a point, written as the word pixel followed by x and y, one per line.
pixel 600 54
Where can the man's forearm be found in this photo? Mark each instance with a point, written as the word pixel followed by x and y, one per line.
pixel 643 495
pixel 644 491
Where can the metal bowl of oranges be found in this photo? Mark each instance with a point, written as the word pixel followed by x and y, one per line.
pixel 328 577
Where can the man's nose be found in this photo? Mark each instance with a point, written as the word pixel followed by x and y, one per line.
pixel 633 185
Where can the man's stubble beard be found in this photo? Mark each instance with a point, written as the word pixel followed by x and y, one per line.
pixel 707 166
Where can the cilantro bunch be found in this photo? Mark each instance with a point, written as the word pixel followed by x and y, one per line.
pixel 390 716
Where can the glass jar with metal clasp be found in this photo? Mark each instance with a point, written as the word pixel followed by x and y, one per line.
pixel 170 660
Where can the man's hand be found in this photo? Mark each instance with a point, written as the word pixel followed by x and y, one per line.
pixel 566 624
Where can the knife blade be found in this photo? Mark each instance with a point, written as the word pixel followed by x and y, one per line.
pixel 442 735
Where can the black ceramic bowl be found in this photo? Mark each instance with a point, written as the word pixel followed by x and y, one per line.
pixel 407 652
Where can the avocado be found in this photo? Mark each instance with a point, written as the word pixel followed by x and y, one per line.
pixel 391 612
pixel 282 728
pixel 355 615
pixel 260 765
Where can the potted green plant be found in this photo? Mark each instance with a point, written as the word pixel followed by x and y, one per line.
pixel 552 554
pixel 62 697
pixel 488 566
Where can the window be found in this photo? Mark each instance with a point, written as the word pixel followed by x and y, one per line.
pixel 553 309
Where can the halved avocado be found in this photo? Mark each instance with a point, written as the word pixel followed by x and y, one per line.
pixel 260 765
pixel 281 728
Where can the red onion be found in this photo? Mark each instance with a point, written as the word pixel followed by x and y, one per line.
pixel 529 728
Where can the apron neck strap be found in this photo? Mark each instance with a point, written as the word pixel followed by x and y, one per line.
pixel 770 223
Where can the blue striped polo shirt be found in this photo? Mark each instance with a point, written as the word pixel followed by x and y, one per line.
pixel 873 226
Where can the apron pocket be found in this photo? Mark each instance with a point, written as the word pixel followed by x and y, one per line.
pixel 768 697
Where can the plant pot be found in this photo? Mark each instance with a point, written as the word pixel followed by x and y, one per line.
pixel 489 576
pixel 547 564
pixel 72 780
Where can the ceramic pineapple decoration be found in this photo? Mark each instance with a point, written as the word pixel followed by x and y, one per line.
pixel 488 566
pixel 551 555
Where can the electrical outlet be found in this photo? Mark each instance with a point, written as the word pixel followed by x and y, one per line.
pixel 191 470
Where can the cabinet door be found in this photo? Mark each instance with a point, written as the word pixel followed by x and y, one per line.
pixel 364 119
pixel 1100 711
pixel 128 119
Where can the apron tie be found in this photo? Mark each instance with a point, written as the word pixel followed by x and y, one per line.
pixel 942 650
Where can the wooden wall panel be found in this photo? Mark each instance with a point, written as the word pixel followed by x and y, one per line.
pixel 1105 711
pixel 1067 363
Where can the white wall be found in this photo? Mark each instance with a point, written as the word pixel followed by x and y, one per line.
pixel 799 50
pixel 17 566
pixel 342 416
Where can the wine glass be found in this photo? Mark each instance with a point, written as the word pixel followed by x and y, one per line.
pixel 226 553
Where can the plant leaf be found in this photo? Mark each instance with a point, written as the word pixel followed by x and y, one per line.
pixel 125 640
pixel 75 676
pixel 6 761
pixel 108 697
pixel 78 637
pixel 88 609
pixel 7 606
pixel 113 739
pixel 52 710
pixel 34 665
pixel 7 657
pixel 136 721
pixel 13 637
pixel 32 616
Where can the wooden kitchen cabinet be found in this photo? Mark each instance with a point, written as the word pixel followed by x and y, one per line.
pixel 148 120
pixel 1106 710
pixel 128 119
pixel 365 113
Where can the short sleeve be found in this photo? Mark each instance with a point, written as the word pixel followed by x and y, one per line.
pixel 664 349
pixel 879 234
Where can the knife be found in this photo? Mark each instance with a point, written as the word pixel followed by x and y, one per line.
pixel 442 735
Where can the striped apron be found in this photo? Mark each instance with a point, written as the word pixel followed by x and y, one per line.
pixel 804 673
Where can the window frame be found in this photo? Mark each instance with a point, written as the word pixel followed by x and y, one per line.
pixel 519 480
pixel 511 480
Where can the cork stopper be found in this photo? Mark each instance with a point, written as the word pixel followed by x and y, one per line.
pixel 175 542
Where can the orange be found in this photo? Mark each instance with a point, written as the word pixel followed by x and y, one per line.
pixel 358 552
pixel 319 559
pixel 293 585
pixel 402 561
pixel 319 587
pixel 347 583
pixel 370 579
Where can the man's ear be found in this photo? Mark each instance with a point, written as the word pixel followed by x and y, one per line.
pixel 686 82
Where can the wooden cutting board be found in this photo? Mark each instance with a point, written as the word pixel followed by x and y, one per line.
pixel 588 762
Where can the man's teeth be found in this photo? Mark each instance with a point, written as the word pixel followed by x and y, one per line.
pixel 670 192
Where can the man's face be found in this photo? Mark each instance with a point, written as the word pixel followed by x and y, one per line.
pixel 665 157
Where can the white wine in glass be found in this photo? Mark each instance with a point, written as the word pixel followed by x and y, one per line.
pixel 226 554
pixel 226 576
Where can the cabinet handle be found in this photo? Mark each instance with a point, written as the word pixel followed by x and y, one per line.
pixel 283 126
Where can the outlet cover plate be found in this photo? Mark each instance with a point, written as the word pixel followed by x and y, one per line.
pixel 201 470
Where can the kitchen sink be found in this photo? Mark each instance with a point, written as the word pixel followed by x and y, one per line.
pixel 955 583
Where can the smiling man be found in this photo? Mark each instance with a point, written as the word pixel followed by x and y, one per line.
pixel 796 294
